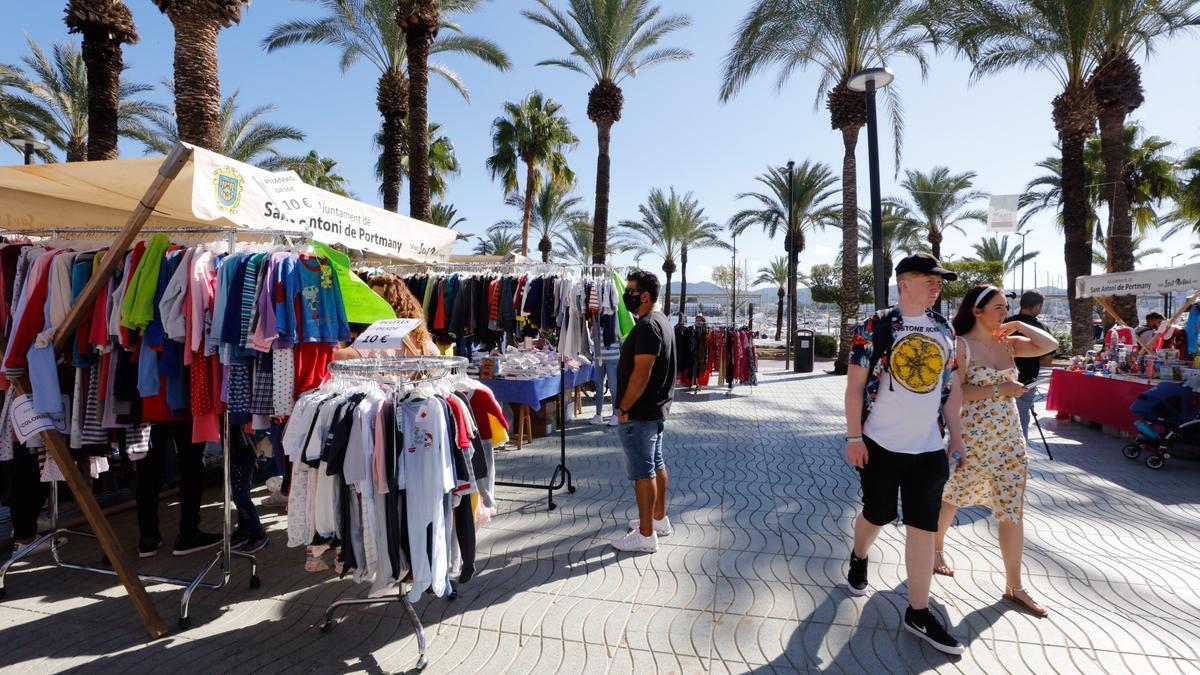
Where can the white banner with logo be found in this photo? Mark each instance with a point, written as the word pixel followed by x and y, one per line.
pixel 1164 280
pixel 224 189
pixel 1002 214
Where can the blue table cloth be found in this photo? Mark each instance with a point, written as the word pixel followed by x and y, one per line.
pixel 533 392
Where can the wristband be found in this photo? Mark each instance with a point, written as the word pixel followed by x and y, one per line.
pixel 854 439
pixel 995 391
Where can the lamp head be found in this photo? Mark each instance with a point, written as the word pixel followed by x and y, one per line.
pixel 880 77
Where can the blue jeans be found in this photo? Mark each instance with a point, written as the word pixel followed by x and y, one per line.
pixel 606 371
pixel 642 441
pixel 1024 405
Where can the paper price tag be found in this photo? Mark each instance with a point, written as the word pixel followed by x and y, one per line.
pixel 27 423
pixel 385 334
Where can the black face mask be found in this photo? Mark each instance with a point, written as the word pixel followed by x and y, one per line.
pixel 633 300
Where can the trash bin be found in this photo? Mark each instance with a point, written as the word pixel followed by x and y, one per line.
pixel 806 348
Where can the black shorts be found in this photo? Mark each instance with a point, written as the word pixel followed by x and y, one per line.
pixel 919 479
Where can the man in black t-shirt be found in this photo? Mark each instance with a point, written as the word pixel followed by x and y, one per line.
pixel 646 382
pixel 1028 368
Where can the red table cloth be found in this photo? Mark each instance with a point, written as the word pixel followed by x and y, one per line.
pixel 1094 398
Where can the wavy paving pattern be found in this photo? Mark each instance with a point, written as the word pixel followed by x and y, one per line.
pixel 762 505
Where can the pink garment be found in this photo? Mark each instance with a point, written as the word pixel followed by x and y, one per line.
pixel 200 292
pixel 267 329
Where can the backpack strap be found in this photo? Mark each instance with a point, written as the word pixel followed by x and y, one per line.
pixel 882 338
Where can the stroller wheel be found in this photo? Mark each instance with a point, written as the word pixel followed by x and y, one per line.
pixel 1155 461
pixel 1132 451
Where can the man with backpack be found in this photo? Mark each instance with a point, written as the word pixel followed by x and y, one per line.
pixel 901 401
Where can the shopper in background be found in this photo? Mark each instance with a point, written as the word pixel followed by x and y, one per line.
pixel 646 381
pixel 1028 368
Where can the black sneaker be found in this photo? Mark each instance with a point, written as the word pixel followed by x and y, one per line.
pixel 148 546
pixel 255 544
pixel 856 580
pixel 196 542
pixel 925 625
pixel 238 539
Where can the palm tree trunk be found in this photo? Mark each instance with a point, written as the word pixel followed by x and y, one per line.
pixel 418 38
pixel 1076 247
pixel 391 98
pixel 528 213
pixel 667 293
pixel 935 247
pixel 779 315
pixel 849 301
pixel 102 55
pixel 197 86
pixel 1120 221
pixel 77 149
pixel 603 166
pixel 683 259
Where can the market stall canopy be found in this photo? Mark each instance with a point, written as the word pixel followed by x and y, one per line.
pixel 210 191
pixel 1163 280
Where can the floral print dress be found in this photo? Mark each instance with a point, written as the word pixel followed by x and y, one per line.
pixel 996 466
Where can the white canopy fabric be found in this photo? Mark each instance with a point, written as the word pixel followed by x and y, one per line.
pixel 1163 280
pixel 210 191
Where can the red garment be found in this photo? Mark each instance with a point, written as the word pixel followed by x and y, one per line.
pixel 202 384
pixel 312 365
pixel 155 408
pixel 33 320
pixel 463 435
pixel 493 303
pixel 439 314
pixel 483 403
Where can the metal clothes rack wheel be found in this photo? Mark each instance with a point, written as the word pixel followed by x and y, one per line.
pixel 223 560
pixel 419 369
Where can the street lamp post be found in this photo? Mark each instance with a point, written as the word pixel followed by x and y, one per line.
pixel 792 280
pixel 1167 296
pixel 1022 235
pixel 27 146
pixel 870 80
pixel 733 287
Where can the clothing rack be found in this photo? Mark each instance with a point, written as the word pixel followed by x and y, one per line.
pixel 224 557
pixel 561 477
pixel 419 369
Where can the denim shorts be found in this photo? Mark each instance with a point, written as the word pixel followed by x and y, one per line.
pixel 642 441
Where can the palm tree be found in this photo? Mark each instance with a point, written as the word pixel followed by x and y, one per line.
pixel 1045 193
pixel 838 38
pixel 445 215
pixel 532 133
pixel 366 29
pixel 246 137
pixel 1056 37
pixel 20 115
pixel 1100 256
pixel 1126 27
pixel 105 25
pixel 552 209
pixel 319 172
pixel 776 273
pixel 59 87
pixel 812 183
pixel 197 85
pixel 443 160
pixel 609 40
pixel 1186 214
pixel 658 233
pixel 899 236
pixel 937 202
pixel 497 242
pixel 695 232
pixel 575 241
pixel 995 249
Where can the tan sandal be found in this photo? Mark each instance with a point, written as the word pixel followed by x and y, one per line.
pixel 1026 602
pixel 943 569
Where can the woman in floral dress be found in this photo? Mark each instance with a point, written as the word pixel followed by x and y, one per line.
pixel 994 468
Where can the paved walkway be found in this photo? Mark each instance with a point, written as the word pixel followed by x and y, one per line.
pixel 752 579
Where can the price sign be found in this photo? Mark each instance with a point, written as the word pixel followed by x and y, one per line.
pixel 385 334
pixel 27 423
pixel 487 369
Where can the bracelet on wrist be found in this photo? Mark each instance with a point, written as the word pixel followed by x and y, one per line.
pixel 995 391
pixel 854 439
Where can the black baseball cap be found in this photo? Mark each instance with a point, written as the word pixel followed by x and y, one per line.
pixel 925 264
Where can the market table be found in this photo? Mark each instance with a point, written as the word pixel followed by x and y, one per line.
pixel 1095 398
pixel 525 395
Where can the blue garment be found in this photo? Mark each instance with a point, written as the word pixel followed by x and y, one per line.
pixel 322 315
pixel 642 441
pixel 81 273
pixel 287 286
pixel 1192 328
pixel 43 369
pixel 147 369
pixel 226 267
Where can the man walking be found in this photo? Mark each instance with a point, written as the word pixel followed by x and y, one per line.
pixel 1029 368
pixel 646 384
pixel 900 400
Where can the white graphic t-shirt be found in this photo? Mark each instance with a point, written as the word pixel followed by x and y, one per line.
pixel 904 418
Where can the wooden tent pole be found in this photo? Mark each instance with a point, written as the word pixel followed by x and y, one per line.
pixel 53 440
pixel 1103 302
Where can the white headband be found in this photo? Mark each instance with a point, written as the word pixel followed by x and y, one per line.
pixel 984 295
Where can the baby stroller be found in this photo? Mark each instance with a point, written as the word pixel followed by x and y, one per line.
pixel 1168 424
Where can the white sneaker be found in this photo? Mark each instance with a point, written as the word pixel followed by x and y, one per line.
pixel 661 527
pixel 634 542
pixel 613 421
pixel 597 420
pixel 276 499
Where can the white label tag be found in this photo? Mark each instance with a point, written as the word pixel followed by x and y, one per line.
pixel 385 334
pixel 27 423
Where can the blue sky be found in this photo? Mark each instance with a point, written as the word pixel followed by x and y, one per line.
pixel 674 130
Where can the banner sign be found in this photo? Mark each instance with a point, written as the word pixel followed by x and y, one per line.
pixel 385 334
pixel 224 189
pixel 1165 280
pixel 1002 214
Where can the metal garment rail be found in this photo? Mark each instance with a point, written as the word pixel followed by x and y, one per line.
pixel 562 475
pixel 422 369
pixel 224 557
